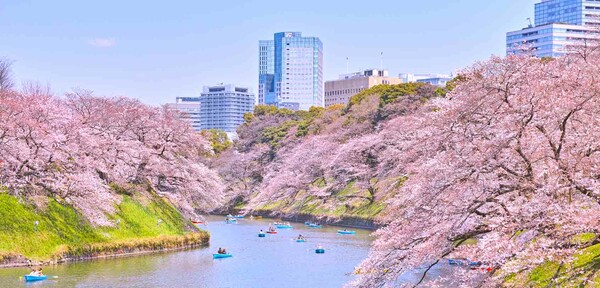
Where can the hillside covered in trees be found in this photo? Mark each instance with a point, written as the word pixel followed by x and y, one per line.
pixel 501 167
pixel 326 162
pixel 86 173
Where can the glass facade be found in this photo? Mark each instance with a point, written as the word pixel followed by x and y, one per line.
pixel 223 107
pixel 575 12
pixel 551 40
pixel 297 79
pixel 559 25
pixel 266 71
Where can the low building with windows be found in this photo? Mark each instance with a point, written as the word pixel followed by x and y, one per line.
pixel 223 107
pixel 438 80
pixel 339 91
pixel 189 108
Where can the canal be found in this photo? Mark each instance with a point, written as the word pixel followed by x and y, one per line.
pixel 273 261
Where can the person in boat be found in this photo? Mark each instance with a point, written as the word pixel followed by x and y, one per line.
pixel 300 237
pixel 224 251
pixel 33 272
pixel 220 251
pixel 261 231
pixel 345 230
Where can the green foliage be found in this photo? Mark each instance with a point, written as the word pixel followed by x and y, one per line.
pixel 274 135
pixel 542 275
pixel 307 119
pixel 218 140
pixel 454 83
pixel 349 190
pixel 248 117
pixel 396 91
pixel 583 238
pixel 387 93
pixel 319 182
pixel 375 90
pixel 261 110
pixel 587 257
pixel 62 226
pixel 465 242
pixel 119 190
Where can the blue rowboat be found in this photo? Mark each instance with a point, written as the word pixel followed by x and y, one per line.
pixel 231 221
pixel 283 226
pixel 220 256
pixel 312 225
pixel 262 234
pixel 346 232
pixel 320 251
pixel 300 240
pixel 31 278
pixel 464 262
pixel 455 262
pixel 307 223
pixel 239 216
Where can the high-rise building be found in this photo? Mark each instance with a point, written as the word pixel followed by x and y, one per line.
pixel 266 73
pixel 189 108
pixel 559 26
pixel 575 12
pixel 339 91
pixel 223 107
pixel 294 80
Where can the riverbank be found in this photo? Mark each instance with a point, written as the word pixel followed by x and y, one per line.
pixel 57 233
pixel 343 221
pixel 113 250
pixel 256 261
pixel 348 207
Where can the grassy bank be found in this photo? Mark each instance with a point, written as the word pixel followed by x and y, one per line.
pixel 583 271
pixel 146 223
pixel 351 202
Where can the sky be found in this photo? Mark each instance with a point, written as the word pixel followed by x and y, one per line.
pixel 158 50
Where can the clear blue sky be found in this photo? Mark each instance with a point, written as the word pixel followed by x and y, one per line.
pixel 157 50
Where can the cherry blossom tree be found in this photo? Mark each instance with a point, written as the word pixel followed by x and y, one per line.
pixel 510 156
pixel 82 148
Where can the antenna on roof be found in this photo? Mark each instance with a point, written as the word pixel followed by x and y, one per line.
pixel 530 24
pixel 347 63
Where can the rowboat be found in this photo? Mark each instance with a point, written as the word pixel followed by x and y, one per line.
pixel 271 232
pixel 312 225
pixel 262 234
pixel 283 226
pixel 346 232
pixel 300 240
pixel 319 250
pixel 464 262
pixel 220 256
pixel 32 278
pixel 239 216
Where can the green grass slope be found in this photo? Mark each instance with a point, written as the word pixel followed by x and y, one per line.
pixel 62 229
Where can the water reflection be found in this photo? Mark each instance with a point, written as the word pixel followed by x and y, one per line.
pixel 274 261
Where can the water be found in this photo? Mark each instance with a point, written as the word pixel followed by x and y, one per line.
pixel 273 261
